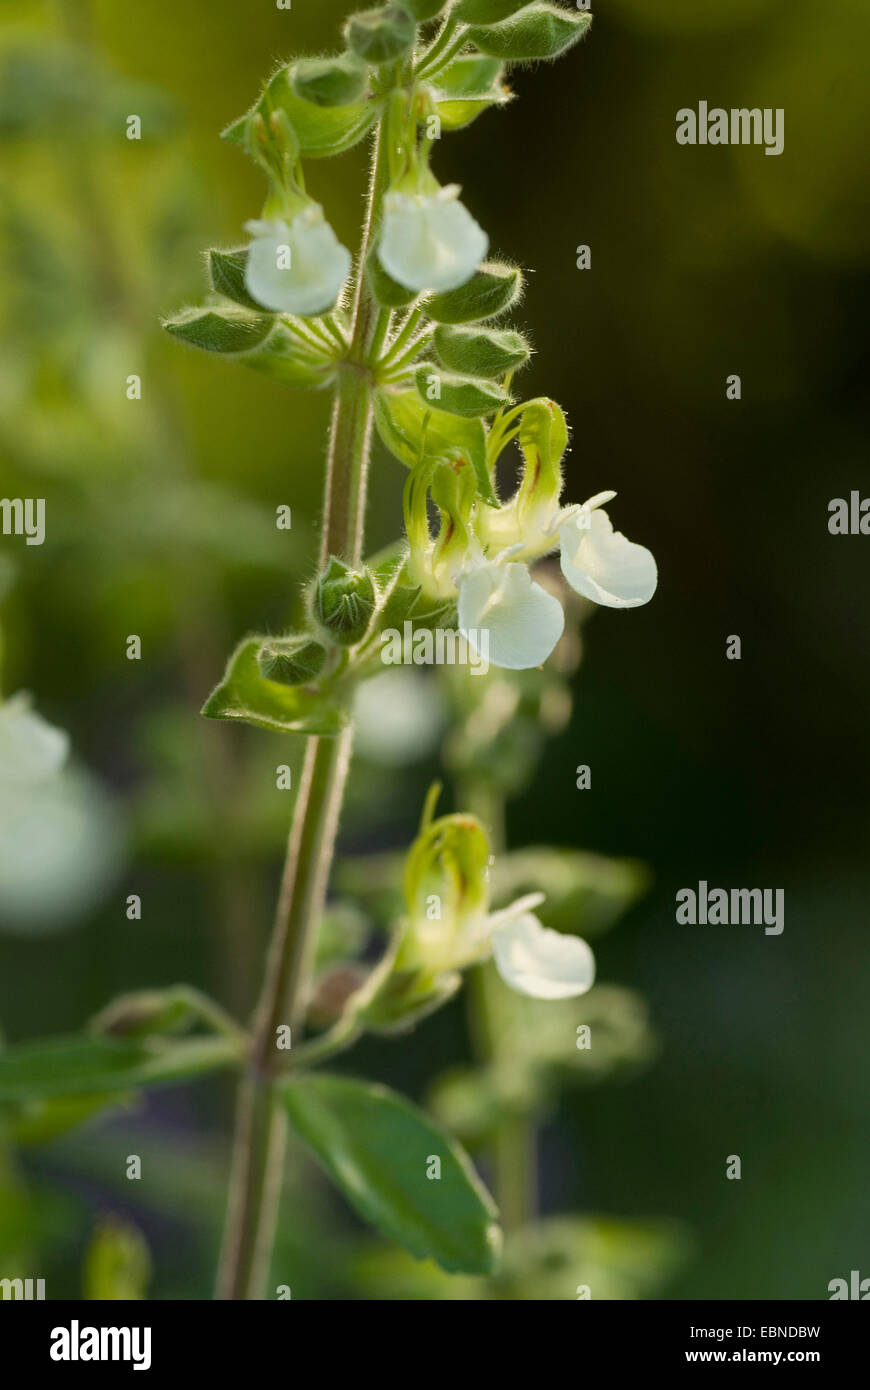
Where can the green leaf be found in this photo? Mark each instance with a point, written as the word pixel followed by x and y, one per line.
pixel 320 130
pixel 330 81
pixel 377 1148
pixel 382 35
pixel 226 271
pixel 539 31
pixel 221 330
pixel 41 1121
pixel 82 1066
pixel 413 431
pixel 459 395
pixel 480 352
pixel 492 289
pixel 243 694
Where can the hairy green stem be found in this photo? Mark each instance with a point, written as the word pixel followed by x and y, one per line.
pixel 261 1129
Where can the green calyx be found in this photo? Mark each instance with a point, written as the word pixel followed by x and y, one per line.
pixel 459 395
pixel 480 352
pixel 382 35
pixel 491 291
pixel 344 602
pixel 295 660
pixel 330 81
pixel 487 11
pixel 535 33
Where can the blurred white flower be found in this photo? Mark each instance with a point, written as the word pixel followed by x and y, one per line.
pixel 30 748
pixel 430 241
pixel 296 267
pixel 60 835
pixel 540 962
pixel 399 717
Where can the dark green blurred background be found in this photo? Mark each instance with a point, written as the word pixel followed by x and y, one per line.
pixel 705 262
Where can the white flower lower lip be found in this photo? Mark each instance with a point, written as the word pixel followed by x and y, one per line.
pixel 540 962
pixel 297 267
pixel 430 241
pixel 524 622
pixel 603 565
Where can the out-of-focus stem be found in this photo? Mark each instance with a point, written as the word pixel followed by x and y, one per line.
pixel 515 1144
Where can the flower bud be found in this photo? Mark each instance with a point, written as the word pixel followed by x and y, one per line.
pixel 490 291
pixel 381 35
pixel 293 660
pixel 480 352
pixel 344 602
pixel 537 31
pixel 330 81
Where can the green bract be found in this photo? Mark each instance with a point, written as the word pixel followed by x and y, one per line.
pixel 490 292
pixel 245 695
pixel 480 352
pixel 539 31
pixel 293 660
pixel 469 85
pixel 330 81
pixel 379 36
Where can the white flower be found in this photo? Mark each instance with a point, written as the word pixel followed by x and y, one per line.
pixel 430 241
pixel 540 962
pixel 297 267
pixel 30 749
pixel 522 620
pixel 602 564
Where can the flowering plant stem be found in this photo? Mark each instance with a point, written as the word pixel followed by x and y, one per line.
pixel 260 1140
